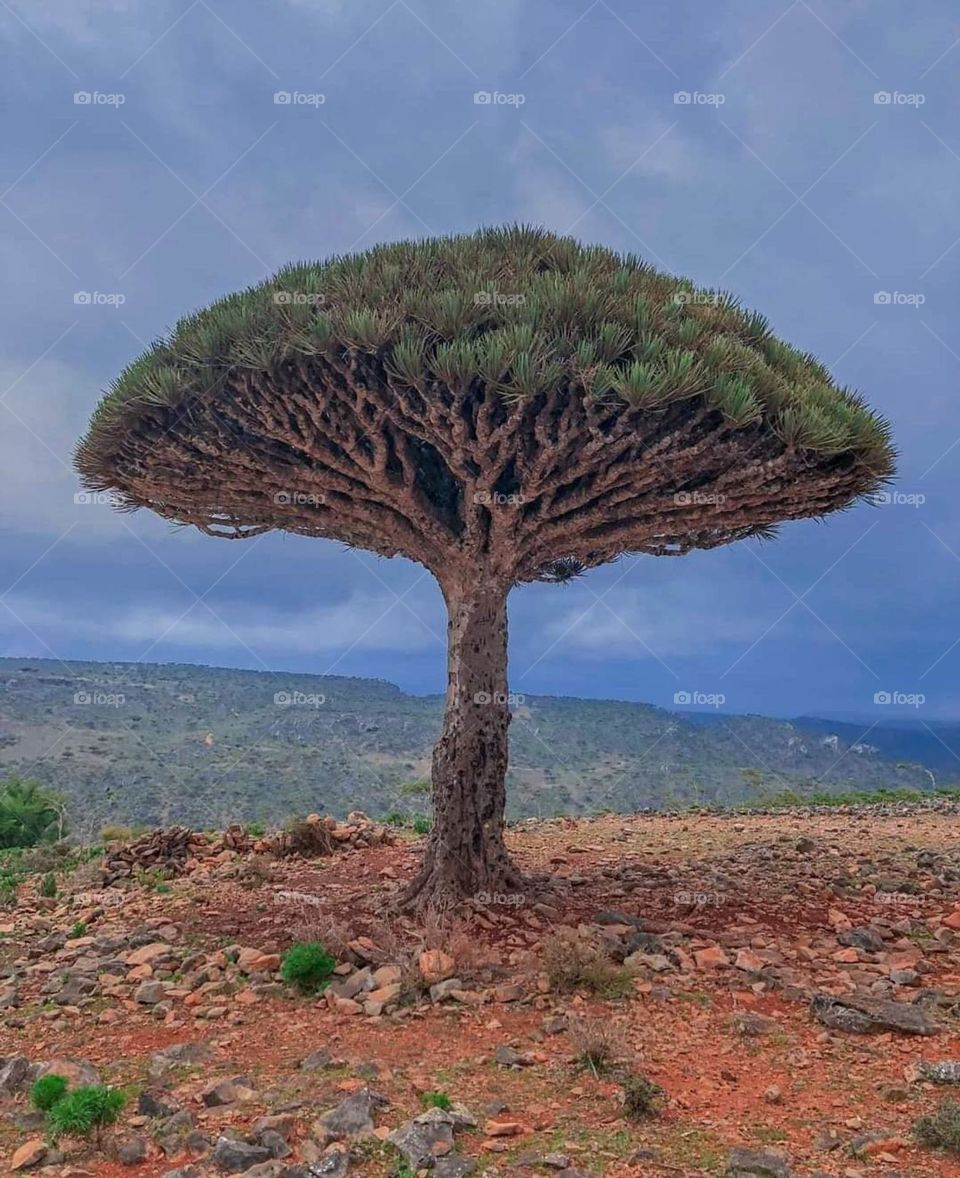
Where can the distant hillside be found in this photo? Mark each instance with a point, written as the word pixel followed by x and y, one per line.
pixel 158 743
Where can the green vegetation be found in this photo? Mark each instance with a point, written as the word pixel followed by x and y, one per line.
pixel 789 799
pixel 48 886
pixel 578 964
pixel 436 1100
pixel 78 930
pixel 308 966
pixel 47 1091
pixel 29 814
pixel 84 1112
pixel 598 759
pixel 641 1097
pixel 941 1128
pixel 415 789
pixel 597 1045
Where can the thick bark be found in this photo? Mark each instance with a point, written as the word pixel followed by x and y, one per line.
pixel 466 855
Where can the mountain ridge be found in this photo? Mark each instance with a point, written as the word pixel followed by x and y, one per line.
pixel 161 742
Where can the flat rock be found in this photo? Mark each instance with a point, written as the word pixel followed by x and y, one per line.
pixel 864 938
pixel 14 1073
pixel 354 1114
pixel 865 1015
pixel 421 1142
pixel 30 1154
pixel 941 1071
pixel 757 1163
pixel 236 1157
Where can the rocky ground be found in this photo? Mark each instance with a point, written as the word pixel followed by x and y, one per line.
pixel 791 983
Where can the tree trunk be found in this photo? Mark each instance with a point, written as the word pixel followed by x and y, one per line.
pixel 466 855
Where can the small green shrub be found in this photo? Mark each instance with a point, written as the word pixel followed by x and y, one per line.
pixel 598 1044
pixel 48 885
pixel 395 818
pixel 421 825
pixel 641 1097
pixel 436 1100
pixel 84 1112
pixel 46 1091
pixel 578 964
pixel 308 966
pixel 412 789
pixel 940 1129
pixel 255 830
pixel 29 814
pixel 78 930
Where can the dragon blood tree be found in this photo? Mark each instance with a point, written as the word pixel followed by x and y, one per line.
pixel 502 407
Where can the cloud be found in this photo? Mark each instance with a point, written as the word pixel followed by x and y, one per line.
pixel 43 414
pixel 363 622
pixel 639 623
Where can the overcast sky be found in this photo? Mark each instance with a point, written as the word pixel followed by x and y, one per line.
pixel 816 165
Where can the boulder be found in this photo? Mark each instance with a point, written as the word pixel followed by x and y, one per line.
pixel 236 1157
pixel 354 1114
pixel 757 1163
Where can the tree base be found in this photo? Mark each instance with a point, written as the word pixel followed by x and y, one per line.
pixel 446 879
